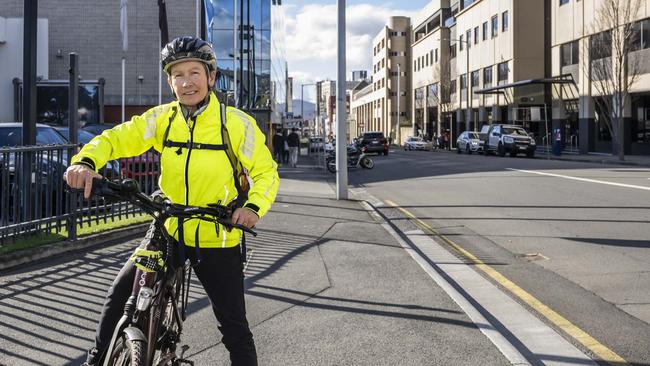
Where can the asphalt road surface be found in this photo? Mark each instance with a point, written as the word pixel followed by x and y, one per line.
pixel 573 235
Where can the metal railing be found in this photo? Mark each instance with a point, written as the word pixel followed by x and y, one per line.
pixel 34 201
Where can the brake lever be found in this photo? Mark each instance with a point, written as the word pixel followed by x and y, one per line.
pixel 227 223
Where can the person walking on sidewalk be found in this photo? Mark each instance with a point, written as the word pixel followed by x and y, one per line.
pixel 278 146
pixel 195 171
pixel 294 145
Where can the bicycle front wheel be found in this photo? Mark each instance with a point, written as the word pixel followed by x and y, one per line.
pixel 128 353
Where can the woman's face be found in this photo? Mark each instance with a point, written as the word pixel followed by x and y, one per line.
pixel 190 82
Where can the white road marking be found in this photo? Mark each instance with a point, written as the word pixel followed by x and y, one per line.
pixel 583 179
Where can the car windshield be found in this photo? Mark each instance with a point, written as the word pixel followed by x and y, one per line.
pixel 373 135
pixel 13 136
pixel 83 136
pixel 473 135
pixel 514 131
pixel 415 139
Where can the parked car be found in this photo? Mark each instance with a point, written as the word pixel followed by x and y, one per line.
pixel 374 142
pixel 315 144
pixel 97 128
pixel 330 146
pixel 417 143
pixel 47 173
pixel 469 142
pixel 144 168
pixel 112 168
pixel 510 139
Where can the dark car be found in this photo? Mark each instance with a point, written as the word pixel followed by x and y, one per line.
pixel 47 173
pixel 374 142
pixel 112 168
pixel 97 128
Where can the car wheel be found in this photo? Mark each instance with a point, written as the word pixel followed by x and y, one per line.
pixel 467 149
pixel 513 154
pixel 501 150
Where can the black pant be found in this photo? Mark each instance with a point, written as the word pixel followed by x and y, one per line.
pixel 221 274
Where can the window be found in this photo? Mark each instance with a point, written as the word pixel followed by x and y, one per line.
pixel 415 65
pixel 427 59
pixel 475 35
pixel 485 31
pixel 495 26
pixel 475 79
pixel 463 82
pixel 569 54
pixel 452 51
pixel 504 21
pixel 452 87
pixel 431 56
pixel 487 76
pixel 503 72
pixel 562 2
pixel 436 54
pixel 469 38
pixel 641 36
pixel 601 45
pixel 460 41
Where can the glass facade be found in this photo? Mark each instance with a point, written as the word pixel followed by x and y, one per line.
pixel 248 38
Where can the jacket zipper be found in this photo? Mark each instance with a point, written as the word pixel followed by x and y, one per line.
pixel 187 159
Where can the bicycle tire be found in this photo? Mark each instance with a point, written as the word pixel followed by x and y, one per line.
pixel 128 353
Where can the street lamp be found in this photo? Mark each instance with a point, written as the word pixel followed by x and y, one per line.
pixel 397 129
pixel 469 100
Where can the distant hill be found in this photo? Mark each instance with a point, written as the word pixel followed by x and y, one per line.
pixel 309 108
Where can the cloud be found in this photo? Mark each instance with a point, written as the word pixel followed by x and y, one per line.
pixel 311 40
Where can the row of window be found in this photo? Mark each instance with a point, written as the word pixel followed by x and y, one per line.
pixel 502 76
pixel 601 44
pixel 397 34
pixel 425 60
pixel 495 30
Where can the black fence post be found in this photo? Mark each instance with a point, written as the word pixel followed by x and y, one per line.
pixel 73 103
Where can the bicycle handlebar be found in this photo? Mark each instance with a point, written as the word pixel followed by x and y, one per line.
pixel 162 208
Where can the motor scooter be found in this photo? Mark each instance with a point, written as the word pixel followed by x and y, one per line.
pixel 356 158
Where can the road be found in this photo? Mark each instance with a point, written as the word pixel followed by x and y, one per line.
pixel 573 235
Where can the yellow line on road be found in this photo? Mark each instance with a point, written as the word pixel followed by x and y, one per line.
pixel 604 353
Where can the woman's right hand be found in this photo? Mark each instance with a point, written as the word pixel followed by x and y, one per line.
pixel 80 176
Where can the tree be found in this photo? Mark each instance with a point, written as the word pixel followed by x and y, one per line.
pixel 609 67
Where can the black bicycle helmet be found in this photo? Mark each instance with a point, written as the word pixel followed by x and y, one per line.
pixel 187 49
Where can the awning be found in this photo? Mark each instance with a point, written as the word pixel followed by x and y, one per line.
pixel 562 79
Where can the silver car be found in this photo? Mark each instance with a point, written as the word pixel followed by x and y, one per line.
pixel 469 142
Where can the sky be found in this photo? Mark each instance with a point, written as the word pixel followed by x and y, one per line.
pixel 311 38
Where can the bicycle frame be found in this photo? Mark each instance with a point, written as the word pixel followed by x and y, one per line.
pixel 156 294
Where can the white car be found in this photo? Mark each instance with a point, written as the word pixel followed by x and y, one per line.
pixel 417 143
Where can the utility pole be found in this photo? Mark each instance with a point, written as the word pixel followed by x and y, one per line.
pixel 341 123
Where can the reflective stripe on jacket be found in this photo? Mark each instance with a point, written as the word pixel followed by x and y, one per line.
pixel 195 176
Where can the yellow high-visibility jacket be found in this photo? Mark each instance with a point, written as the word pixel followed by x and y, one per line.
pixel 194 176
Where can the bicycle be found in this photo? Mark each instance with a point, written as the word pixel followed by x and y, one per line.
pixel 150 329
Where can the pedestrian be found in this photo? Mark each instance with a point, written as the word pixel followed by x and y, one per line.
pixel 191 174
pixel 278 146
pixel 294 145
pixel 285 148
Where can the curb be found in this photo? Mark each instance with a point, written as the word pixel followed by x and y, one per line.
pixel 32 255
